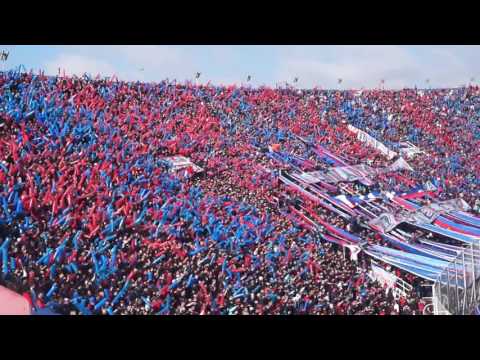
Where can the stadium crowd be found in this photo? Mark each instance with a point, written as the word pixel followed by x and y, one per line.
pixel 93 221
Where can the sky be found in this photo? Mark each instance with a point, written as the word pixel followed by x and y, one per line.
pixel 319 66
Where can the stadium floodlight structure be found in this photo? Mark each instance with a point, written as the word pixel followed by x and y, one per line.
pixel 457 289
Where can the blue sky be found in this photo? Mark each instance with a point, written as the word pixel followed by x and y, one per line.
pixel 321 66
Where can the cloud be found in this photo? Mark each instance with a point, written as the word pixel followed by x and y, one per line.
pixel 365 66
pixel 321 66
pixel 152 55
pixel 78 65
pixel 157 62
pixel 217 64
pixel 131 63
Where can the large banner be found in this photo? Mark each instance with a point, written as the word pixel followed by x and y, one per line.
pixel 433 210
pixel 455 205
pixel 339 174
pixel 385 222
pixel 369 140
pixel 312 177
pixel 424 215
pixel 420 217
pixel 352 173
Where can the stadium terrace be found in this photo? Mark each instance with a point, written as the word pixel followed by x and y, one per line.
pixel 138 198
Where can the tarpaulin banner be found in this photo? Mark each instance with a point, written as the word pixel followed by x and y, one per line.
pixel 454 226
pixel 420 249
pixel 466 218
pixel 455 205
pixel 351 173
pixel 338 174
pixel 440 206
pixel 448 233
pixel 429 213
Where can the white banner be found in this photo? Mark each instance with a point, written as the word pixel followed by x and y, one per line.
pixel 446 206
pixel 181 162
pixel 369 140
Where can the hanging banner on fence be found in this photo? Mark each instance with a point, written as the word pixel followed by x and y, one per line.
pixel 383 277
pixel 455 205
pixel 311 177
pixel 369 140
pixel 349 173
pixel 338 174
pixel 419 218
pixel 433 210
pixel 352 173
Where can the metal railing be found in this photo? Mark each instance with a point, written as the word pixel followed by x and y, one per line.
pixel 457 289
pixel 399 288
pixel 402 288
